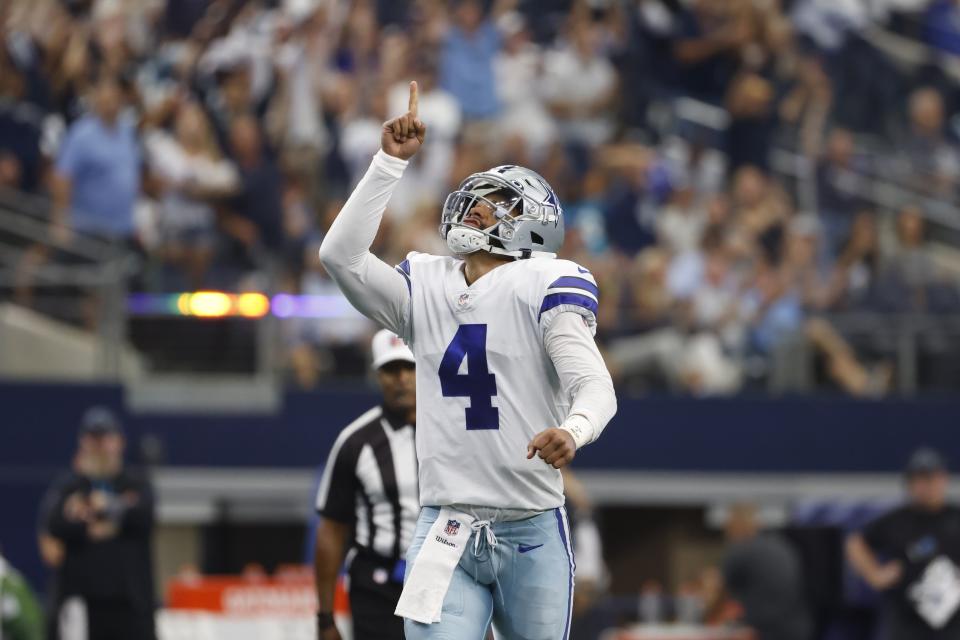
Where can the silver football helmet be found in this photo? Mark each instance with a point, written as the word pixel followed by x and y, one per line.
pixel 529 217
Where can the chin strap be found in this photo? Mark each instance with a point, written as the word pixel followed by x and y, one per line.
pixel 483 244
pixel 522 254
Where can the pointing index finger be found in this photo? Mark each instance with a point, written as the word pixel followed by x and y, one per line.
pixel 414 99
pixel 538 442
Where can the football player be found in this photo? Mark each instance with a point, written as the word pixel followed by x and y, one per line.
pixel 508 371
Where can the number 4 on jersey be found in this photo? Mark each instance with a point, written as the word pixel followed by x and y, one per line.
pixel 477 383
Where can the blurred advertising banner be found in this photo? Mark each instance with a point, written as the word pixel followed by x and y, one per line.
pixel 251 606
pixel 679 632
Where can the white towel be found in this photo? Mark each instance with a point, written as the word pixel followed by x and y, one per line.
pixel 426 585
pixel 936 594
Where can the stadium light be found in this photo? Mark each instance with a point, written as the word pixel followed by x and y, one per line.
pixel 220 304
pixel 210 304
pixel 253 305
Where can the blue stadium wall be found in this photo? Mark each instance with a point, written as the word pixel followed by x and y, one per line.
pixel 816 434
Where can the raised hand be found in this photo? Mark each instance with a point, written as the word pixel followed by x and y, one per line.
pixel 402 136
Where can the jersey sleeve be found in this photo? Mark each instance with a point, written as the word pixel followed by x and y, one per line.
pixel 583 377
pixel 406 268
pixel 371 285
pixel 338 485
pixel 566 286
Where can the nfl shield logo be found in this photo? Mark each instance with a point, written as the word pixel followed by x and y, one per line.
pixel 452 527
pixel 463 299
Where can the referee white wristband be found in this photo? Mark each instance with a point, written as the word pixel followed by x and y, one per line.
pixel 580 428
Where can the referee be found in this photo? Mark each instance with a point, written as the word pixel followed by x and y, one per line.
pixel 369 501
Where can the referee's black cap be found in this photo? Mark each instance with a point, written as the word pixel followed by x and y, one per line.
pixel 925 461
pixel 100 420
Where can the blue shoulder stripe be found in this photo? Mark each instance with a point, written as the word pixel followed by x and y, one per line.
pixel 576 283
pixel 406 274
pixel 556 299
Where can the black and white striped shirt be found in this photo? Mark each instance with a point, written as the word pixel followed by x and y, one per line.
pixel 370 482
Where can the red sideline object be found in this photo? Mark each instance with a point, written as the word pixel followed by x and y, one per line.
pixel 289 592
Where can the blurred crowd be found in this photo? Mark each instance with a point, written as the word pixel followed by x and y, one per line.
pixel 219 138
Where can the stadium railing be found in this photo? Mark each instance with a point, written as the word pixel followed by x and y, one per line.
pixel 82 284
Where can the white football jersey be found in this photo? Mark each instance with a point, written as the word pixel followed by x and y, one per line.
pixel 485 383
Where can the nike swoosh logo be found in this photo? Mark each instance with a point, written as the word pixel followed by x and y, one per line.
pixel 523 548
pixel 582 270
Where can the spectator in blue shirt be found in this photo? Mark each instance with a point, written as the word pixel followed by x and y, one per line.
pixel 97 176
pixel 466 64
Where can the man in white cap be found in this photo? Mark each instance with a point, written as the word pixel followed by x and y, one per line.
pixel 369 489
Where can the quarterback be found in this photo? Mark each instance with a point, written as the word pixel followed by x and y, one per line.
pixel 508 372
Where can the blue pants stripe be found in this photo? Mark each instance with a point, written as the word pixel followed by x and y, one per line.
pixel 561 514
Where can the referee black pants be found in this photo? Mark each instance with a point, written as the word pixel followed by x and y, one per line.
pixel 373 597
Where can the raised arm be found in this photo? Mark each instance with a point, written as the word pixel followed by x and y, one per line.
pixel 372 286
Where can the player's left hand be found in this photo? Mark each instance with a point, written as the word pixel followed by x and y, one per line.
pixel 555 446
pixel 402 137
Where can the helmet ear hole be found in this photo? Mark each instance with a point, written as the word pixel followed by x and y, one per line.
pixel 536 238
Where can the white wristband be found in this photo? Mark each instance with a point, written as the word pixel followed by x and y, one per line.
pixel 580 428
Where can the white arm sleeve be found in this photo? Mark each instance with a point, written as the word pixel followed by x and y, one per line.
pixel 375 288
pixel 583 376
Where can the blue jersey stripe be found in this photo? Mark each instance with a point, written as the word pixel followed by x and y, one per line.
pixel 576 283
pixel 556 299
pixel 405 277
pixel 404 266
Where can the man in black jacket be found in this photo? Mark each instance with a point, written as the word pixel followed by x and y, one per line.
pixel 912 556
pixel 102 517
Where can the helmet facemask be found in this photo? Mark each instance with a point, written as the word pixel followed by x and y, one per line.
pixel 506 203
